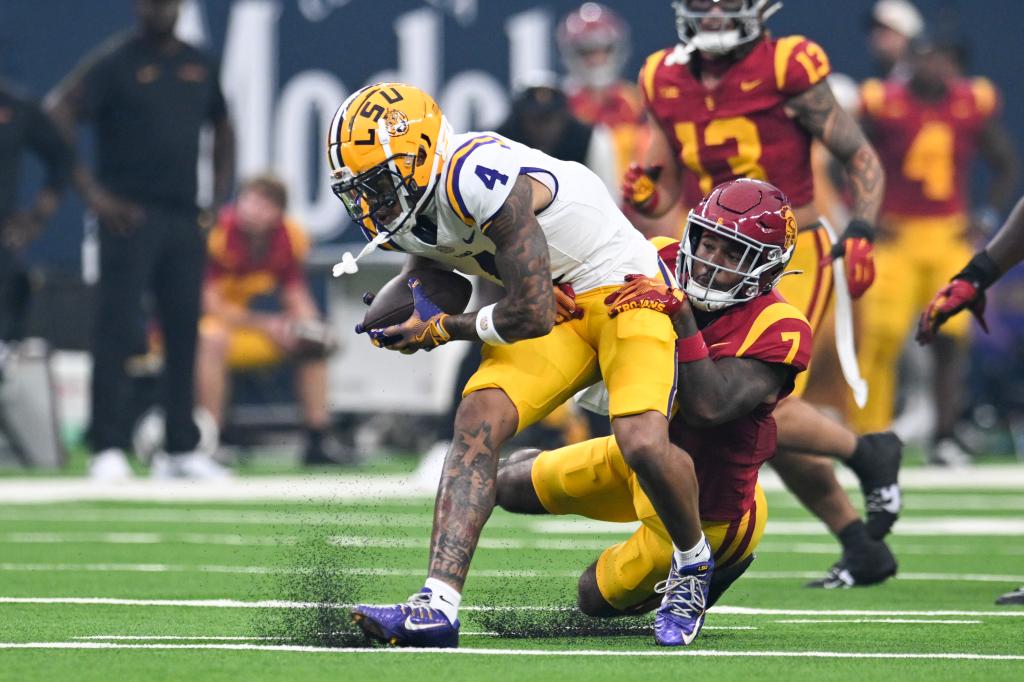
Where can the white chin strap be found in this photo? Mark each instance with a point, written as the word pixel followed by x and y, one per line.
pixel 716 42
pixel 348 264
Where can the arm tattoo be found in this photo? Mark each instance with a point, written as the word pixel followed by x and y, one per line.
pixel 464 502
pixel 524 263
pixel 820 115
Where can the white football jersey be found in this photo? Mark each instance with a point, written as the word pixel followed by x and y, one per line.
pixel 591 242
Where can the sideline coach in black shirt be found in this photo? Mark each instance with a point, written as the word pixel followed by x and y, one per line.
pixel 24 127
pixel 147 95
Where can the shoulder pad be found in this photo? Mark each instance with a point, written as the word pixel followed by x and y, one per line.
pixel 799 64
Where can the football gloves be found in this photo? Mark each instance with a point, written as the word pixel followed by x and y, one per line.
pixel 424 330
pixel 565 304
pixel 855 248
pixel 641 291
pixel 640 188
pixel 965 290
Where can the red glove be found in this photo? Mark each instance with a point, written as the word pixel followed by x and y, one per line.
pixel 640 188
pixel 644 292
pixel 950 300
pixel 855 248
pixel 565 304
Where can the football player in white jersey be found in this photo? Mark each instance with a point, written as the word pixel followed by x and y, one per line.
pixel 488 206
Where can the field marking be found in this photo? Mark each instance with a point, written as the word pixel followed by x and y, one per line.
pixel 935 526
pixel 518 652
pixel 497 544
pixel 377 571
pixel 236 638
pixel 361 487
pixel 808 621
pixel 284 604
pixel 555 545
pixel 227 539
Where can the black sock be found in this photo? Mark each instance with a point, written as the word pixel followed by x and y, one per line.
pixel 315 434
pixel 854 535
pixel 860 461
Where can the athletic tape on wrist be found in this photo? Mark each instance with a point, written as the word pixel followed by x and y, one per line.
pixel 692 348
pixel 485 328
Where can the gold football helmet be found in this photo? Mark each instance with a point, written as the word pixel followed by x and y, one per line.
pixel 385 148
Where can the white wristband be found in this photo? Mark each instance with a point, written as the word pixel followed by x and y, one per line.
pixel 485 328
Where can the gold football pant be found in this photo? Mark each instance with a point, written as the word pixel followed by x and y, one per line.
pixel 634 353
pixel 920 259
pixel 592 479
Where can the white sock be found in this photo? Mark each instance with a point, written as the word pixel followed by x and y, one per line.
pixel 699 552
pixel 444 598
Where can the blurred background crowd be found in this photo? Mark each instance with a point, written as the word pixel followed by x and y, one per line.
pixel 167 230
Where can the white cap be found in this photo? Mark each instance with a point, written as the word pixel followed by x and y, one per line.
pixel 899 15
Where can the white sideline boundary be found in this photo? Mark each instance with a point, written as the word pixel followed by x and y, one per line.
pixel 362 487
pixel 282 604
pixel 516 652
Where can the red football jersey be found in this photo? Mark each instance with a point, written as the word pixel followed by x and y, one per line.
pixel 740 128
pixel 927 147
pixel 728 457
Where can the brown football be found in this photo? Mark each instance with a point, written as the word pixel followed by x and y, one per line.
pixel 392 305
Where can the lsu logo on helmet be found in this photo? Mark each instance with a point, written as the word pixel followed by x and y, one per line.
pixel 396 123
pixel 385 150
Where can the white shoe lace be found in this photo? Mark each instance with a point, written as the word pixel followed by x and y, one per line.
pixel 688 602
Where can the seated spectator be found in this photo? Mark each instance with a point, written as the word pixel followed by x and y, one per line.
pixel 254 250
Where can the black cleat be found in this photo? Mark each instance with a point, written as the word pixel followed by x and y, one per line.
pixel 1015 597
pixel 870 565
pixel 324 449
pixel 877 465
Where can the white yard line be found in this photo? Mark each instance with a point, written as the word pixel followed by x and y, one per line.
pixel 414 572
pixel 235 638
pixel 356 487
pixel 520 652
pixel 808 621
pixel 281 604
pixel 512 544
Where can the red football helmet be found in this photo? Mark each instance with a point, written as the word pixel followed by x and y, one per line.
pixel 756 220
pixel 594 42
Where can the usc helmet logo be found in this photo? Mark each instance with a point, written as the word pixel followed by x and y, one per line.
pixel 791 226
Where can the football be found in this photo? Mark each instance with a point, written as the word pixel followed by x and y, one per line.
pixel 392 305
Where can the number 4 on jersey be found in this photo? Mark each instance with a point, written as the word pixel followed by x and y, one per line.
pixel 489 176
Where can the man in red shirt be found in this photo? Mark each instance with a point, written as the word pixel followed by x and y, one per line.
pixel 741 347
pixel 927 128
pixel 254 250
pixel 731 101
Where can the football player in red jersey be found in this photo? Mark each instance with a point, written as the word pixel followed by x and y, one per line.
pixel 967 291
pixel 731 101
pixel 927 128
pixel 594 43
pixel 740 348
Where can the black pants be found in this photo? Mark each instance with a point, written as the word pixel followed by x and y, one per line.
pixel 166 256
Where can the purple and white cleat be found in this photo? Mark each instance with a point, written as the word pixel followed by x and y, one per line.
pixel 413 624
pixel 681 614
